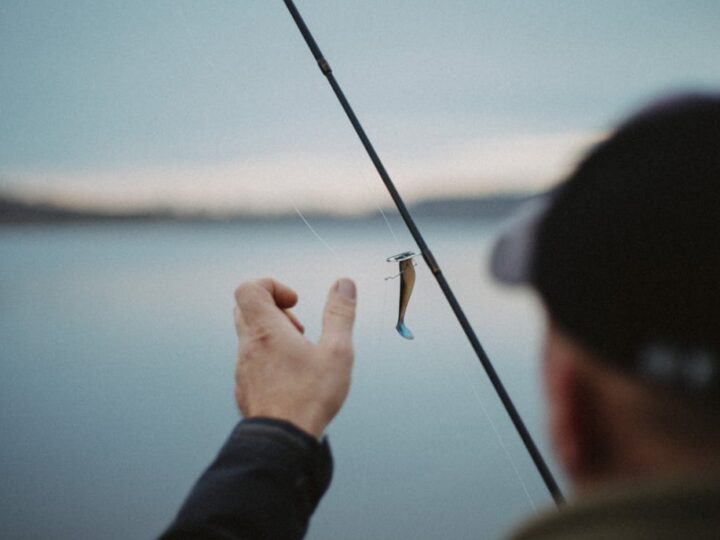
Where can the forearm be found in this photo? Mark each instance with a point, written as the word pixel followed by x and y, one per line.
pixel 265 483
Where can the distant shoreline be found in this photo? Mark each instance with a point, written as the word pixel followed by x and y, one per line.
pixel 14 211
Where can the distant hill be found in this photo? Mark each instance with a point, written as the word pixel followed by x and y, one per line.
pixel 17 211
pixel 489 207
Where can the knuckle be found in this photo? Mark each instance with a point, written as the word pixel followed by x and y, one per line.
pixel 257 336
pixel 341 309
pixel 261 332
pixel 340 348
pixel 247 289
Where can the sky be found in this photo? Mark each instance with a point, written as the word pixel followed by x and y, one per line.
pixel 219 106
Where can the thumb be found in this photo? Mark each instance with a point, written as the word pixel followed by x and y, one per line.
pixel 339 313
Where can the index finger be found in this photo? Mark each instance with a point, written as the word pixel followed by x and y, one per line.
pixel 264 298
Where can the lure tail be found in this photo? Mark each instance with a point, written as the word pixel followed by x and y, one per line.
pixel 404 331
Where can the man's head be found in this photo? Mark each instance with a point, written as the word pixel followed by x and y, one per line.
pixel 626 257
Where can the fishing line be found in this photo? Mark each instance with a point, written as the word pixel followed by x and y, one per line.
pixel 367 185
pixel 499 437
pixel 384 305
pixel 312 229
pixel 382 213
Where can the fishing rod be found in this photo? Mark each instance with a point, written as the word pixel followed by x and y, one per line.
pixel 427 255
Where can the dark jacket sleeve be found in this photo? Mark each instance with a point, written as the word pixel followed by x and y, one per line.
pixel 265 483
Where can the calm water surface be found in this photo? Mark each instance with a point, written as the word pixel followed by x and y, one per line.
pixel 116 383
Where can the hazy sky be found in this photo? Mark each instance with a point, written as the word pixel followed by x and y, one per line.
pixel 219 104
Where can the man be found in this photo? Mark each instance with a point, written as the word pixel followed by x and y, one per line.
pixel 625 256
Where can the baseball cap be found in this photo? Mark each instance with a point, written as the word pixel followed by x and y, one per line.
pixel 625 253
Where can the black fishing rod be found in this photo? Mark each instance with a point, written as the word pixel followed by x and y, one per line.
pixel 431 262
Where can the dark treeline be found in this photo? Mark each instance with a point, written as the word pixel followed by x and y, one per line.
pixel 17 211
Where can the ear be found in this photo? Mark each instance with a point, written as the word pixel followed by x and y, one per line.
pixel 576 422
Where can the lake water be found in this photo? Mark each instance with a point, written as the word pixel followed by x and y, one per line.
pixel 117 360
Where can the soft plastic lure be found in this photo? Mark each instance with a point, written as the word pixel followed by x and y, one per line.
pixel 407 282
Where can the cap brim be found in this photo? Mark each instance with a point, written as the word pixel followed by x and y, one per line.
pixel 512 255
